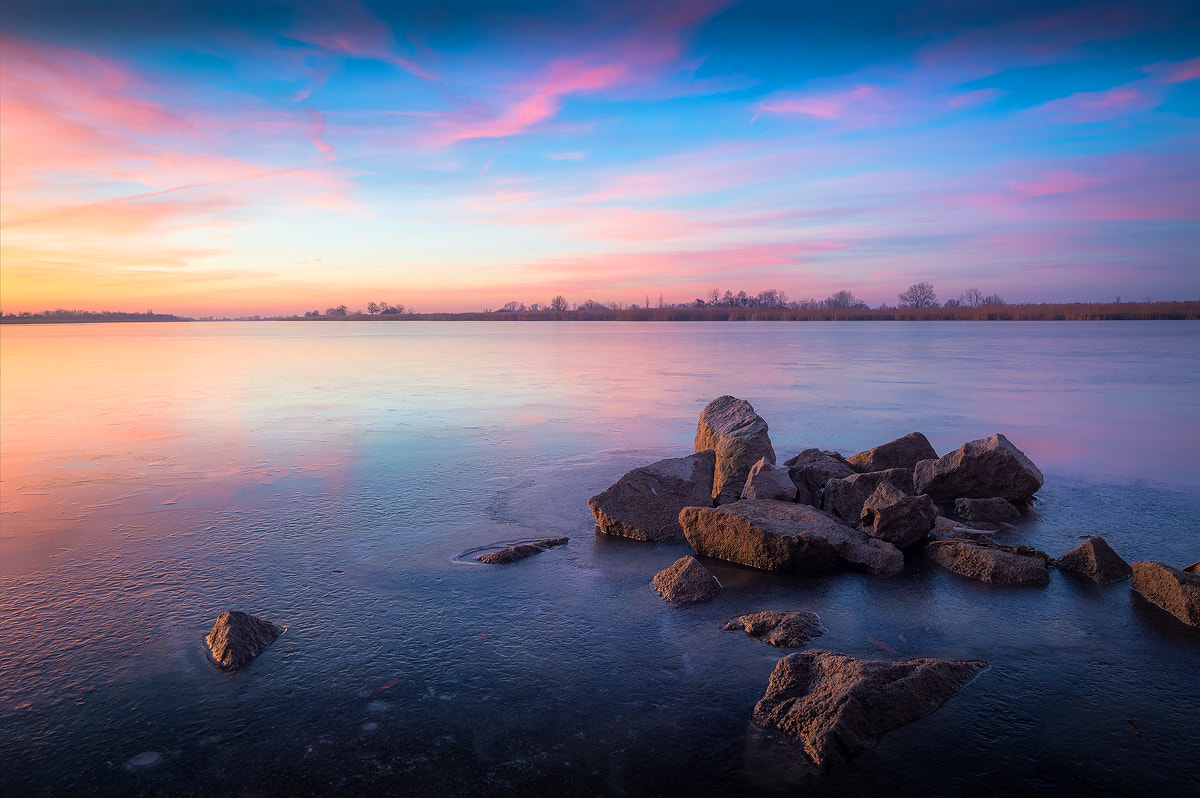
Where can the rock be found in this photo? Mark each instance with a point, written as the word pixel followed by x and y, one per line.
pixel 520 551
pixel 1177 592
pixel 685 582
pixel 739 435
pixel 979 470
pixel 645 503
pixel 890 514
pixel 993 510
pixel 903 452
pixel 781 536
pixel 1095 559
pixel 844 498
pixel 945 529
pixel 837 706
pixel 811 469
pixel 238 637
pixel 767 481
pixel 791 629
pixel 1194 568
pixel 988 562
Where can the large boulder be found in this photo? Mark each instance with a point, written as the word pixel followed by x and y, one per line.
pixel 238 637
pixel 739 436
pixel 767 481
pixel 903 452
pixel 988 562
pixel 837 706
pixel 844 498
pixel 519 551
pixel 811 469
pixel 979 470
pixel 1096 560
pixel 781 536
pixel 789 629
pixel 993 510
pixel 1177 592
pixel 892 515
pixel 645 503
pixel 686 582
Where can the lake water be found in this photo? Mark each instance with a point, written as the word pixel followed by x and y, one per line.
pixel 327 476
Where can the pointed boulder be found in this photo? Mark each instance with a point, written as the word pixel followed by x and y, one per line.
pixel 1096 560
pixel 238 637
pixel 739 435
pixel 686 582
pixel 979 470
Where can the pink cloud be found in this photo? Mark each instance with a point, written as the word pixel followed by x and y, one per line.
pixel 1176 72
pixel 829 106
pixel 975 98
pixel 1052 181
pixel 1098 106
pixel 348 27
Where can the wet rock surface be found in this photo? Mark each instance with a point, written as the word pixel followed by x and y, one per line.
pixel 904 452
pixel 738 435
pixel 1095 559
pixel 519 551
pixel 979 470
pixel 786 629
pixel 767 481
pixel 644 504
pixel 1176 591
pixel 991 563
pixel 686 582
pixel 948 529
pixel 892 515
pixel 238 637
pixel 837 706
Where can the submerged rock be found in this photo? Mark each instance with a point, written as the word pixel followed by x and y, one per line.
pixel 987 562
pixel 892 515
pixel 837 706
pixel 790 629
pixel 979 470
pixel 811 469
pixel 1095 559
pixel 946 529
pixel 1177 592
pixel 993 510
pixel 238 637
pixel 645 503
pixel 903 452
pixel 739 436
pixel 519 551
pixel 685 582
pixel 767 481
pixel 845 497
pixel 781 536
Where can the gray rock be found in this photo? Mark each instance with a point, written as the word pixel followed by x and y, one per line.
pixel 519 551
pixel 767 481
pixel 811 469
pixel 791 629
pixel 1095 559
pixel 1177 592
pixel 844 497
pixel 993 510
pixel 686 582
pixel 781 536
pixel 645 503
pixel 238 637
pixel 903 452
pixel 946 529
pixel 979 470
pixel 739 436
pixel 837 706
pixel 890 514
pixel 988 562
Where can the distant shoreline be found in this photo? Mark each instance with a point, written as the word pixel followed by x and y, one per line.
pixel 1075 311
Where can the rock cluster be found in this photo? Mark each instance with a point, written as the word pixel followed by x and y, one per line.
pixel 238 637
pixel 519 551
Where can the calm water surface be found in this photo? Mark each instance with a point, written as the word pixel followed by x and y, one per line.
pixel 327 477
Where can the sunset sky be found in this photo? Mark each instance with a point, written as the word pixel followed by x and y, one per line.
pixel 257 157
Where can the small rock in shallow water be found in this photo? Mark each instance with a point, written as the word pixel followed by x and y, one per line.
pixel 238 637
pixel 1177 592
pixel 1096 560
pixel 791 629
pixel 520 551
pixel 685 582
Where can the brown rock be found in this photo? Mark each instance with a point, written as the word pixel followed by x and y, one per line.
pixel 238 637
pixel 945 529
pixel 767 481
pixel 979 470
pixel 900 519
pixel 1095 559
pixel 993 510
pixel 987 562
pixel 791 629
pixel 903 452
pixel 519 551
pixel 811 469
pixel 1177 592
pixel 645 503
pixel 781 536
pixel 837 706
pixel 739 436
pixel 844 498
pixel 685 582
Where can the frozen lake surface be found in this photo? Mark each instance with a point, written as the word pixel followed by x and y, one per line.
pixel 326 476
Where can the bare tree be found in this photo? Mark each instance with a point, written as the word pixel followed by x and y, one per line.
pixel 971 298
pixel 919 295
pixel 559 303
pixel 992 299
pixel 372 308
pixel 844 299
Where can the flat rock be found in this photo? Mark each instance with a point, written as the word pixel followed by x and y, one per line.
pixel 947 529
pixel 768 481
pixel 685 582
pixel 892 515
pixel 645 503
pixel 837 706
pixel 739 436
pixel 979 470
pixel 789 629
pixel 992 510
pixel 238 637
pixel 519 551
pixel 988 562
pixel 1095 559
pixel 811 469
pixel 1177 592
pixel 782 536
pixel 844 497
pixel 903 452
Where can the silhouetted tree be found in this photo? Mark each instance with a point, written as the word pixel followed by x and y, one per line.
pixel 845 299
pixel 559 303
pixel 971 298
pixel 919 295
pixel 993 299
pixel 340 310
pixel 372 308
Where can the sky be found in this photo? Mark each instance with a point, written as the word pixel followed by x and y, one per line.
pixel 261 157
